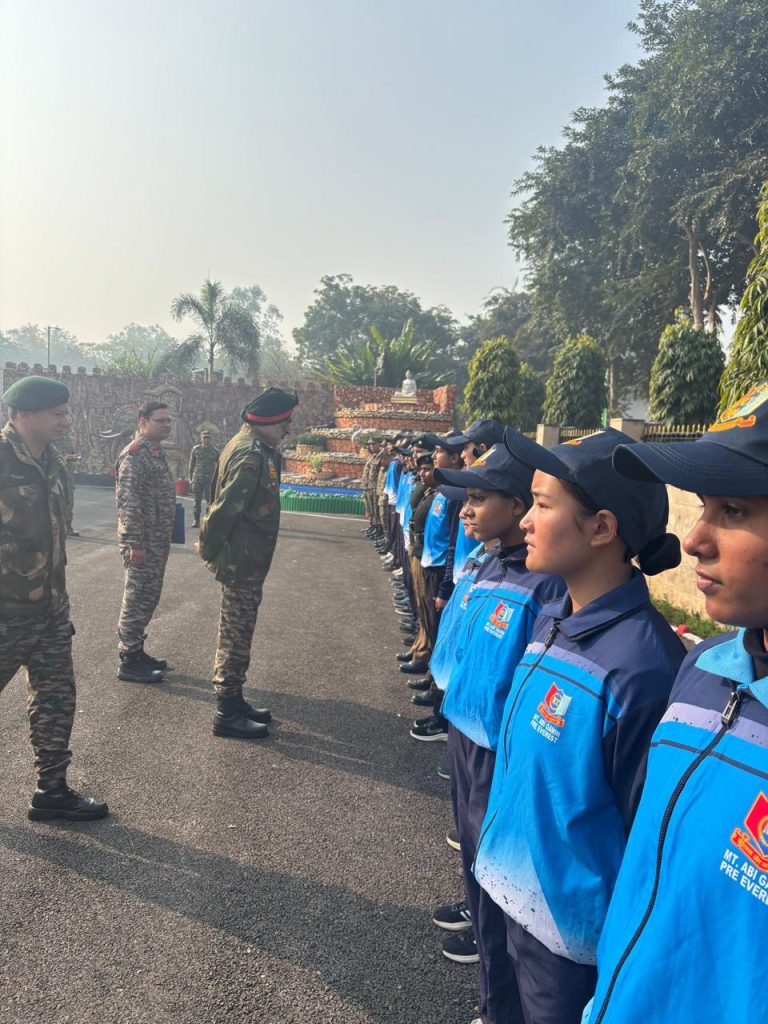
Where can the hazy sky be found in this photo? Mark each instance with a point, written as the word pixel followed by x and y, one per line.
pixel 148 143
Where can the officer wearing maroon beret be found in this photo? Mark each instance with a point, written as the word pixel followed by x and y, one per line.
pixel 237 541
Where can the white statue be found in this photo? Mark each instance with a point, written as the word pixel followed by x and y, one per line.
pixel 408 389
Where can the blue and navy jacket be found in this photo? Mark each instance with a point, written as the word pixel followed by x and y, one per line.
pixel 685 936
pixel 392 480
pixel 498 615
pixel 465 544
pixel 585 699
pixel 441 661
pixel 403 499
pixel 439 531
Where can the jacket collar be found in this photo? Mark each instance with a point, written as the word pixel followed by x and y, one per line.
pixel 732 660
pixel 516 555
pixel 601 613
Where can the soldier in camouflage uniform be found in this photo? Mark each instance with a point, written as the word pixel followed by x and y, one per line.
pixel 202 466
pixel 66 449
pixel 237 542
pixel 146 503
pixel 368 484
pixel 35 628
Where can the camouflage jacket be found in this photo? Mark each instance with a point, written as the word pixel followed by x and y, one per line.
pixel 381 479
pixel 202 463
pixel 146 496
pixel 239 533
pixel 32 552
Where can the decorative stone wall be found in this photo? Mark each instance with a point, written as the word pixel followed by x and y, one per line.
pixel 104 409
pixel 440 402
pixel 337 464
pixel 396 422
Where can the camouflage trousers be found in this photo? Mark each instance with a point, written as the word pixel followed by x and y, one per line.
pixel 143 585
pixel 69 507
pixel 201 489
pixel 44 647
pixel 237 621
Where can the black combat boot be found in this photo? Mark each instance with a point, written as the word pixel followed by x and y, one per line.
pixel 54 799
pixel 230 720
pixel 263 715
pixel 157 663
pixel 133 669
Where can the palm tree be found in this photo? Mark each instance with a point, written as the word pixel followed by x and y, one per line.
pixel 226 329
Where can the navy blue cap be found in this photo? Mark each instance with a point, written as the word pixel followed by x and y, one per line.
pixel 641 511
pixel 432 441
pixel 495 470
pixel 487 432
pixel 424 441
pixel 425 460
pixel 731 458
pixel 453 493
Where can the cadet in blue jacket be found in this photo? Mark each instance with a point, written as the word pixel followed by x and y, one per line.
pixel 589 691
pixel 686 931
pixel 497 617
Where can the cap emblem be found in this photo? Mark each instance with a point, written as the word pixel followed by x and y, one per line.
pixel 741 413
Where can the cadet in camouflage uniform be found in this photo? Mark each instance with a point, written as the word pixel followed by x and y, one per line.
pixel 202 466
pixel 146 504
pixel 368 484
pixel 237 542
pixel 35 628
pixel 66 449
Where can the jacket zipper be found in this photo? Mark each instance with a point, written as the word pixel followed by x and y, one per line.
pixel 548 641
pixel 727 718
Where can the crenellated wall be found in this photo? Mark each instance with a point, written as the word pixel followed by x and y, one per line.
pixel 105 404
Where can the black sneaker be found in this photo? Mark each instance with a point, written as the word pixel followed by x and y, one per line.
pixel 63 802
pixel 452 838
pixel 461 947
pixel 453 917
pixel 444 772
pixel 430 730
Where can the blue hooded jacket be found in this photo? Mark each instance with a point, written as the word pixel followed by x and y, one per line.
pixel 500 610
pixel 685 935
pixel 583 704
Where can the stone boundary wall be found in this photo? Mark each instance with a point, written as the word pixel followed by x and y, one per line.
pixel 351 466
pixel 106 403
pixel 678 586
pixel 392 422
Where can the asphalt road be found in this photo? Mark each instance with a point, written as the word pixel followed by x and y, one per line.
pixel 290 879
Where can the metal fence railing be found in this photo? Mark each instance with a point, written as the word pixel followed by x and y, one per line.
pixel 668 432
pixel 570 433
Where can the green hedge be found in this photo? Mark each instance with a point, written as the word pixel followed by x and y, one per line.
pixel 330 504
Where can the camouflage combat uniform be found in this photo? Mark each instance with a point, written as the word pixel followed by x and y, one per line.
pixel 35 628
pixel 202 466
pixel 146 503
pixel 368 483
pixel 65 446
pixel 237 542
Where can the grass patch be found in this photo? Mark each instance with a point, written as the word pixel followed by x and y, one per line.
pixel 696 623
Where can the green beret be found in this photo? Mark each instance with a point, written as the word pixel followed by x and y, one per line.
pixel 33 394
pixel 272 406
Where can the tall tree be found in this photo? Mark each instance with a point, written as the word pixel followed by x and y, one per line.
pixel 531 398
pixel 383 362
pixel 748 357
pixel 576 394
pixel 226 330
pixel 343 313
pixel 275 361
pixel 685 374
pixel 493 387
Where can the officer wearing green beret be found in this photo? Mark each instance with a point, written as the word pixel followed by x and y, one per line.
pixel 237 542
pixel 202 465
pixel 35 627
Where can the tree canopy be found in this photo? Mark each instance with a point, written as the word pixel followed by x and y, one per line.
pixel 576 393
pixel 226 329
pixel 649 204
pixel 493 387
pixel 686 374
pixel 342 314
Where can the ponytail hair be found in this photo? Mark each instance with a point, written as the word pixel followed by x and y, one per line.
pixel 659 554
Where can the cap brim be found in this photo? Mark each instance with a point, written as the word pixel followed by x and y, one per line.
pixel 534 455
pixel 701 467
pixel 453 493
pixel 462 479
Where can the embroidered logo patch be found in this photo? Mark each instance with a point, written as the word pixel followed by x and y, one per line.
pixel 741 413
pixel 499 620
pixel 437 507
pixel 753 842
pixel 549 717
